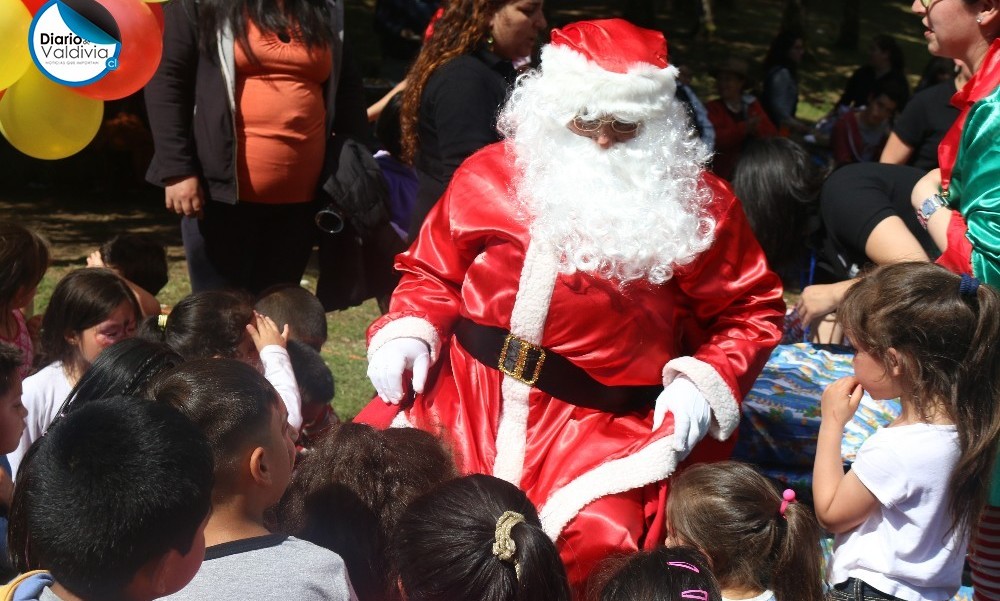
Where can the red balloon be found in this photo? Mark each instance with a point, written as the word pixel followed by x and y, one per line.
pixel 158 13
pixel 33 5
pixel 142 46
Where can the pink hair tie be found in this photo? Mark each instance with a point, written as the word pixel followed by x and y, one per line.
pixel 789 497
pixel 697 593
pixel 685 565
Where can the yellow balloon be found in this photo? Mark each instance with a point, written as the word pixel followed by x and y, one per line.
pixel 46 120
pixel 14 58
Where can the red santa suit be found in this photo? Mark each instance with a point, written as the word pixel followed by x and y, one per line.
pixel 597 477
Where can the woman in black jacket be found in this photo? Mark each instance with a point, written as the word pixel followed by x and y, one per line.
pixel 458 84
pixel 243 107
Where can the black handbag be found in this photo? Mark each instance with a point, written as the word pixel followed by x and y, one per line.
pixel 357 243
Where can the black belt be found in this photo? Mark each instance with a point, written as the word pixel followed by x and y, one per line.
pixel 548 371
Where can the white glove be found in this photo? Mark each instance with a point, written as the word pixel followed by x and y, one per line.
pixel 692 414
pixel 386 367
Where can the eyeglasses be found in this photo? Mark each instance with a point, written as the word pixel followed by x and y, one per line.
pixel 927 3
pixel 625 128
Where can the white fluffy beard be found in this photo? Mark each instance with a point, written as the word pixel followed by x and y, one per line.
pixel 634 211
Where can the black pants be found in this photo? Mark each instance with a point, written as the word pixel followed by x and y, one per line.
pixel 254 246
pixel 853 589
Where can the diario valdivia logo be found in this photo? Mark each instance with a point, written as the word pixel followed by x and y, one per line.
pixel 74 42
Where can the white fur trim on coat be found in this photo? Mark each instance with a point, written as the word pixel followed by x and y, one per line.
pixel 527 322
pixel 652 463
pixel 407 327
pixel 725 408
pixel 575 85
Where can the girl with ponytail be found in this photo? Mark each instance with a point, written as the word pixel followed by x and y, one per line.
pixel 762 545
pixel 904 512
pixel 476 537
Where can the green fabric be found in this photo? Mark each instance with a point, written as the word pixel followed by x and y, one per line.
pixel 975 186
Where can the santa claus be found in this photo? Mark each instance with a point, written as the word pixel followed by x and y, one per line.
pixel 585 303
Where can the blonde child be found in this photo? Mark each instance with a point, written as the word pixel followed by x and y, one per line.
pixel 24 258
pixel 903 513
pixel 761 543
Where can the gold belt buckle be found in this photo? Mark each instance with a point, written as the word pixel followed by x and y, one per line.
pixel 523 349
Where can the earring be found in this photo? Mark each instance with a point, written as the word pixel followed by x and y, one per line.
pixel 979 20
pixel 489 42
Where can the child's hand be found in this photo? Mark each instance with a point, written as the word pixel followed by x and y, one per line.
pixel 94 259
pixel 265 332
pixel 840 401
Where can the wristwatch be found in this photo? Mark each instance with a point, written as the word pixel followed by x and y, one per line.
pixel 928 207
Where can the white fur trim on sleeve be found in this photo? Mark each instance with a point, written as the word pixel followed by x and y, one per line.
pixel 652 463
pixel 725 407
pixel 407 327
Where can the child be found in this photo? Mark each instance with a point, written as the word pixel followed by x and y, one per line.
pixel 349 491
pixel 12 414
pixel 762 545
pixel 664 574
pixel 24 258
pixel 903 513
pixel 124 369
pixel 140 261
pixel 223 324
pixel 299 309
pixel 247 428
pixel 112 504
pixel 90 309
pixel 316 390
pixel 476 537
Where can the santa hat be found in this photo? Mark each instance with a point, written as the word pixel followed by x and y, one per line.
pixel 608 66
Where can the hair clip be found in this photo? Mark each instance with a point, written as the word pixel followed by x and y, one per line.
pixel 161 320
pixel 968 286
pixel 685 565
pixel 788 497
pixel 503 545
pixel 699 594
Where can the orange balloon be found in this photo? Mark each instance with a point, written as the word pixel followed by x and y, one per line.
pixel 142 46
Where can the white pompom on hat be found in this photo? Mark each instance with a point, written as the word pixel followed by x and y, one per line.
pixel 607 67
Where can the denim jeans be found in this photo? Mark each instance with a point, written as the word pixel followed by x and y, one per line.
pixel 853 589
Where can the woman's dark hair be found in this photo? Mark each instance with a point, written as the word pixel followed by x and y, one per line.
pixel 779 186
pixel 463 26
pixel 888 44
pixel 732 513
pixel 204 324
pixel 139 258
pixel 350 490
pixel 308 21
pixel 228 400
pixel 123 369
pixel 947 347
pixel 81 300
pixel 108 489
pixel 777 53
pixel 24 258
pixel 663 574
pixel 444 546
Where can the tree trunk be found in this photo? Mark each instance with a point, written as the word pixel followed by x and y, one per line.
pixel 850 26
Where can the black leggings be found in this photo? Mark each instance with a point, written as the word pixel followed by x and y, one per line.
pixel 856 198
